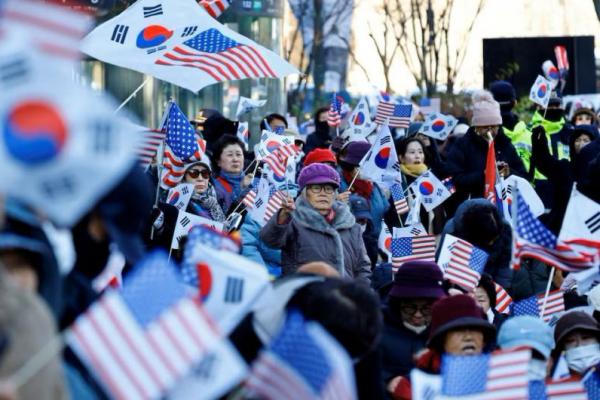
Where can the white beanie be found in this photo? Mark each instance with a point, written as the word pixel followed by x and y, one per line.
pixel 486 110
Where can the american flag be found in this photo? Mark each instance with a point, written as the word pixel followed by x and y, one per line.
pixel 400 201
pixel 568 389
pixel 466 264
pixel 534 240
pixel 142 339
pixel 333 115
pixel 591 381
pixel 533 305
pixel 277 159
pixel 500 375
pixel 503 299
pixel 174 168
pixel 412 249
pixel 148 145
pixel 219 56
pixel 215 7
pixel 449 183
pixel 321 370
pixel 398 114
pixel 54 30
pixel 249 198
pixel 180 134
pixel 276 199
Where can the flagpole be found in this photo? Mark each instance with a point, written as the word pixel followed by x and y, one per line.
pixel 248 167
pixel 242 203
pixel 160 163
pixel 550 278
pixel 353 179
pixel 132 95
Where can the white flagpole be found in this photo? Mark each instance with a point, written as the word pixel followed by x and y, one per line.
pixel 133 94
pixel 550 278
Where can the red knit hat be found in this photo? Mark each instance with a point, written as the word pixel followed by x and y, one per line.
pixel 320 156
pixel 456 312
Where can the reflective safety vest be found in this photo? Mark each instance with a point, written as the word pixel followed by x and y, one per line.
pixel 520 137
pixel 557 148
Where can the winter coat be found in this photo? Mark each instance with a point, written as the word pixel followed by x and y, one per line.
pixel 308 237
pixel 399 346
pixel 529 280
pixel 254 248
pixel 320 139
pixel 26 327
pixel 206 205
pixel 228 188
pixel 498 263
pixel 466 162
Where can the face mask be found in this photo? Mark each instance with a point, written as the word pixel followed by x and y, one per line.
pixel 554 114
pixel 537 370
pixel 415 329
pixel 363 228
pixel 581 358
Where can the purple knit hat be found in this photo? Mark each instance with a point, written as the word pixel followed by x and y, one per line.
pixel 418 279
pixel 354 152
pixel 318 173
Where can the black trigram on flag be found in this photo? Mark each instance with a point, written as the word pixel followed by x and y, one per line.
pixel 119 33
pixel 152 11
pixel 415 231
pixel 185 190
pixel 13 71
pixel 234 290
pixel 385 139
pixel 593 222
pixel 102 140
pixel 59 187
pixel 189 31
pixel 185 221
pixel 258 203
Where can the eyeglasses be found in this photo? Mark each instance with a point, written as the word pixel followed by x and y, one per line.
pixel 318 188
pixel 411 309
pixel 195 173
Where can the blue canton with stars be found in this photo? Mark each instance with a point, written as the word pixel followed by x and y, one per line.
pixel 528 306
pixel 151 288
pixel 402 110
pixel 591 382
pixel 463 375
pixel 401 247
pixel 211 41
pixel 180 135
pixel 530 228
pixel 478 260
pixel 300 351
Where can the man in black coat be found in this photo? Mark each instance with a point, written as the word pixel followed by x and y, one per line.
pixel 321 137
pixel 467 159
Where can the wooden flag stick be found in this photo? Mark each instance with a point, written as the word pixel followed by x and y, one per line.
pixel 353 179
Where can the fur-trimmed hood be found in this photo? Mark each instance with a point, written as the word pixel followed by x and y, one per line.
pixel 308 217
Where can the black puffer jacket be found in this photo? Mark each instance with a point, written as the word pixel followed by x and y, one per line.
pixel 466 162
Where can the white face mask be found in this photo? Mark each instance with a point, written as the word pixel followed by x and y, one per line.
pixel 537 370
pixel 363 228
pixel 581 358
pixel 415 329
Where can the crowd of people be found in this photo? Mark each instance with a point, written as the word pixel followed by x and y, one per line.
pixel 321 248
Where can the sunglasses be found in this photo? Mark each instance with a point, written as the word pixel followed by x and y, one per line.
pixel 195 173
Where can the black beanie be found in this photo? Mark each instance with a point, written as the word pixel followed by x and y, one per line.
pixel 487 284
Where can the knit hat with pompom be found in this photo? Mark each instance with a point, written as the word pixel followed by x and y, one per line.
pixel 486 110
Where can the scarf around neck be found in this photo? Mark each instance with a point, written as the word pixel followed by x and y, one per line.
pixel 414 170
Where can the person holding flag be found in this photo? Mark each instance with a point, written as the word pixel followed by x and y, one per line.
pixel 321 137
pixel 467 159
pixel 204 201
pixel 228 163
pixel 518 133
pixel 318 228
pixel 560 173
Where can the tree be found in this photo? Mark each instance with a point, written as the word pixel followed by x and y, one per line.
pixel 421 32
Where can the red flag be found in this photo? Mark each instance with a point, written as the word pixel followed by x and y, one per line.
pixel 489 191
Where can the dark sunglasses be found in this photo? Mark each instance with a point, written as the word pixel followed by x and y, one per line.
pixel 194 173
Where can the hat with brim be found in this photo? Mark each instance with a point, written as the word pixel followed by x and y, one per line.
pixel 457 312
pixel 572 321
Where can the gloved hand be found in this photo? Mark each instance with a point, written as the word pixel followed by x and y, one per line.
pixel 594 297
pixel 337 144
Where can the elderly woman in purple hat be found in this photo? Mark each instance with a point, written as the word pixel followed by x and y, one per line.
pixel 317 227
pixel 407 315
